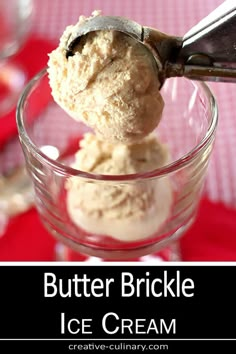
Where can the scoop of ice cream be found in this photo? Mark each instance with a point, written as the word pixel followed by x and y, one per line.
pixel 110 83
pixel 125 211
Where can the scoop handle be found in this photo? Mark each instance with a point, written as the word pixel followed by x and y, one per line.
pixel 209 49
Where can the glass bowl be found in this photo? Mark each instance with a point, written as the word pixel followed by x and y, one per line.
pixel 50 138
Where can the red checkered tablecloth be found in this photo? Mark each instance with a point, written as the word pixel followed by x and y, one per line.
pixel 174 17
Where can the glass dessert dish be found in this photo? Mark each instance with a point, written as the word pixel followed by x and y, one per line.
pixel 16 18
pixel 162 202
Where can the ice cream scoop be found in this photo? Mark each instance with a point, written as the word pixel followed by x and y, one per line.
pixel 110 84
pixel 207 52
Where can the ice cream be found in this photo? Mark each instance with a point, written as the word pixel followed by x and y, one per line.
pixel 125 211
pixel 110 83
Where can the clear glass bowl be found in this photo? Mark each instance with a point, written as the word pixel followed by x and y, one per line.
pixel 50 138
pixel 16 17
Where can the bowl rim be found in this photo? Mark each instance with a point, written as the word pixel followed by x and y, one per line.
pixel 156 173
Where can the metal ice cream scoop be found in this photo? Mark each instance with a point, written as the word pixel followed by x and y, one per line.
pixel 207 52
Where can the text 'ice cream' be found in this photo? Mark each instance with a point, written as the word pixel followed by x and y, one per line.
pixel 111 84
